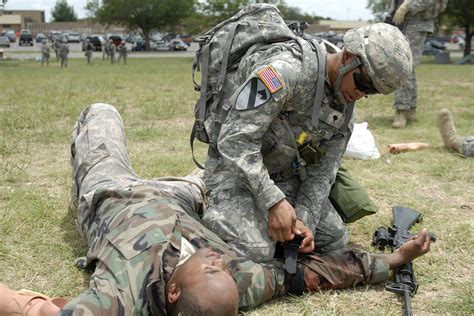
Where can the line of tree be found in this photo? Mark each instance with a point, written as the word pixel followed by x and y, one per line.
pixel 62 12
pixel 190 16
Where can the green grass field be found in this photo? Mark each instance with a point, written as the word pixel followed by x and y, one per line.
pixel 38 240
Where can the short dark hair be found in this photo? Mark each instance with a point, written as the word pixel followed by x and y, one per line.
pixel 188 305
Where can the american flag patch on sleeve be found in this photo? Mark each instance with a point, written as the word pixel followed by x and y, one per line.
pixel 270 79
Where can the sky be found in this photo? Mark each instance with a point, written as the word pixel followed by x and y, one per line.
pixel 336 9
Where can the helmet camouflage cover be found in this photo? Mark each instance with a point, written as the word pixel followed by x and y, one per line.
pixel 385 53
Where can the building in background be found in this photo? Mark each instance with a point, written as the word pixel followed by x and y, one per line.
pixel 26 17
pixel 10 22
pixel 339 27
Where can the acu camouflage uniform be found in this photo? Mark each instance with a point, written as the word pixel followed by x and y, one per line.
pixel 89 48
pixel 56 45
pixel 419 21
pixel 45 53
pixel 467 146
pixel 122 49
pixel 63 54
pixel 254 164
pixel 134 228
pixel 111 51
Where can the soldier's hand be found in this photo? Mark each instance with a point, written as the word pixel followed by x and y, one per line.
pixel 281 221
pixel 400 14
pixel 307 244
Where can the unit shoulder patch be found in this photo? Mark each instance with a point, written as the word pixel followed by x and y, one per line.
pixel 253 95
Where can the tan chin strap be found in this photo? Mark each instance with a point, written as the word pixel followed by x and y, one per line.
pixel 342 71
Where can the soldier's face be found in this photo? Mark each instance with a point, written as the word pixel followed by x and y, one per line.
pixel 206 275
pixel 356 83
pixel 348 87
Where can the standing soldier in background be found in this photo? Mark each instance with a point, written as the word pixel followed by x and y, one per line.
pixel 45 53
pixel 105 49
pixel 56 48
pixel 122 49
pixel 111 50
pixel 63 53
pixel 415 18
pixel 89 48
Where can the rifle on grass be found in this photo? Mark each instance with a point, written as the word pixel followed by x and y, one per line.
pixel 394 237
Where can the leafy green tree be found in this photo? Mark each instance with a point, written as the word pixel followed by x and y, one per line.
pixel 144 15
pixel 211 12
pixel 91 8
pixel 62 12
pixel 461 13
pixel 379 8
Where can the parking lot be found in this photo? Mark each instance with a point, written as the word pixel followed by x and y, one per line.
pixel 27 52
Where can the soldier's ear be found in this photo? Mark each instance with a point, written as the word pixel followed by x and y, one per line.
pixel 174 292
pixel 347 57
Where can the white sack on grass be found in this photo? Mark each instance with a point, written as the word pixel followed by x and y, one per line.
pixel 362 143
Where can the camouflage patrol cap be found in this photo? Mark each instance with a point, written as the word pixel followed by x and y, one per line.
pixel 385 52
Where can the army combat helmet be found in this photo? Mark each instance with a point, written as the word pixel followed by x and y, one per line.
pixel 385 53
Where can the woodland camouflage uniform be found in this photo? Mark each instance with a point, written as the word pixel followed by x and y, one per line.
pixel 134 228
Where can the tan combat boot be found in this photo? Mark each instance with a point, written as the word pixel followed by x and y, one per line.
pixel 400 120
pixel 28 303
pixel 447 130
pixel 411 115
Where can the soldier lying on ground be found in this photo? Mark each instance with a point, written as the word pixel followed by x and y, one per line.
pixel 151 254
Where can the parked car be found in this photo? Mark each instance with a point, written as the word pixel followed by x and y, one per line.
pixel 11 35
pixel 40 37
pixel 330 36
pixel 433 47
pixel 4 41
pixel 73 37
pixel 186 38
pixel 116 39
pixel 96 41
pixel 139 46
pixel 54 35
pixel 177 44
pixel 25 38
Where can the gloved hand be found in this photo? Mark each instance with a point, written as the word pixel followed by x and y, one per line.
pixel 400 14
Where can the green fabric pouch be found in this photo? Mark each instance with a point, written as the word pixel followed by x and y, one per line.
pixel 350 199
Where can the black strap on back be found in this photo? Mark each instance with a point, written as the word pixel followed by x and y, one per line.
pixel 201 111
pixel 318 98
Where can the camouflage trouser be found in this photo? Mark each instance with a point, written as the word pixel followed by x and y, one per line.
pixel 467 146
pixel 124 58
pixel 89 56
pixel 63 61
pixel 99 159
pixel 406 95
pixel 44 59
pixel 235 216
